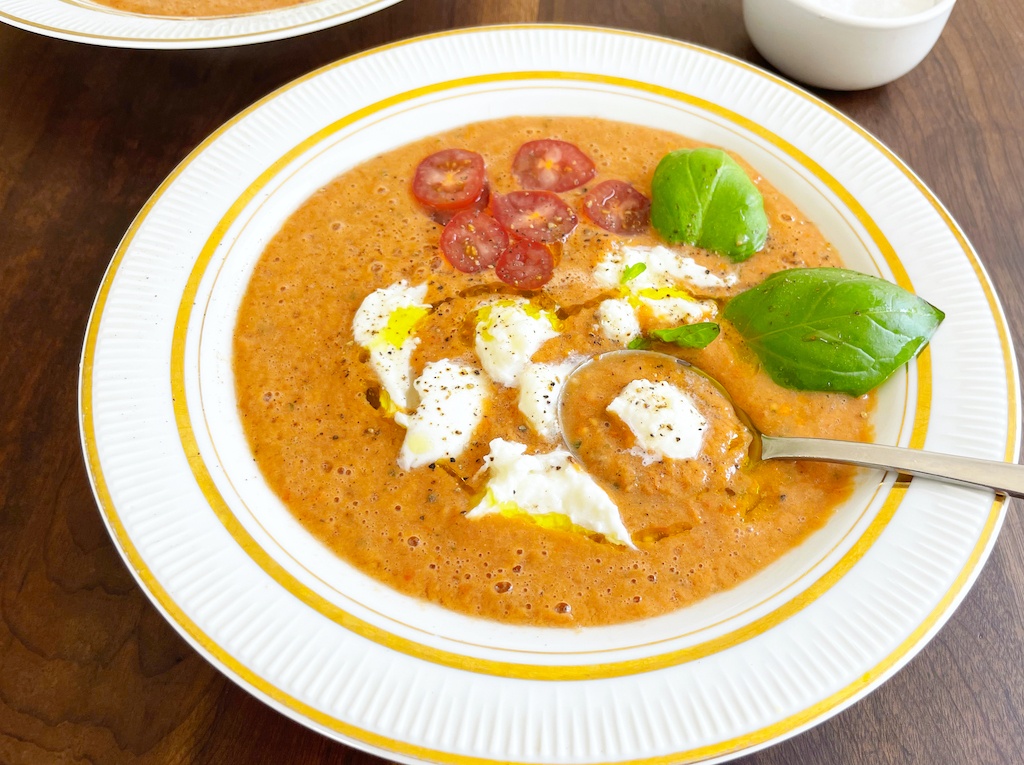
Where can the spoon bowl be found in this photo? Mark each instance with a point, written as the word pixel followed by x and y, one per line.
pixel 1001 477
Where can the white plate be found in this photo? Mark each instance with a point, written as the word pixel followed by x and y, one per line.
pixel 89 22
pixel 252 591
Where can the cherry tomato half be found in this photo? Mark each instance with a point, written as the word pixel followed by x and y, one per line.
pixel 551 165
pixel 442 217
pixel 617 207
pixel 525 265
pixel 449 180
pixel 472 241
pixel 536 215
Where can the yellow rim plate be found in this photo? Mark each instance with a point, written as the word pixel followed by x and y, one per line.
pixel 89 22
pixel 363 665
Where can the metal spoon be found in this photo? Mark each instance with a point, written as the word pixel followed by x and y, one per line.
pixel 1002 477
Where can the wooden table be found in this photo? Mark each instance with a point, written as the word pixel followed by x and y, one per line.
pixel 91 673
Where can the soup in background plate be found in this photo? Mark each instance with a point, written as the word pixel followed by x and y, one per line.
pixel 199 8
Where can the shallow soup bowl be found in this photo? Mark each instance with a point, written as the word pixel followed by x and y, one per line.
pixel 266 602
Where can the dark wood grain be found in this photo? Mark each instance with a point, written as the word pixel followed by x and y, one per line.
pixel 91 673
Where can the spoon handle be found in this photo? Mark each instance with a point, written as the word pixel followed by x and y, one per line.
pixel 1003 477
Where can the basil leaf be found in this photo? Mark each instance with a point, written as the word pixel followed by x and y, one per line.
pixel 639 343
pixel 629 273
pixel 697 335
pixel 830 329
pixel 703 197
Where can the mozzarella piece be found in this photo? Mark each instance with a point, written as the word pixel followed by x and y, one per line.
pixel 508 333
pixel 617 321
pixel 384 326
pixel 653 292
pixel 539 387
pixel 663 267
pixel 551 488
pixel 451 406
pixel 674 307
pixel 663 418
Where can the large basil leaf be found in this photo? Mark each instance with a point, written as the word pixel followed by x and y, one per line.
pixel 703 197
pixel 829 329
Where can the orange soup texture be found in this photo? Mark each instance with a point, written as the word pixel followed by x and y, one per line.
pixel 328 444
pixel 198 8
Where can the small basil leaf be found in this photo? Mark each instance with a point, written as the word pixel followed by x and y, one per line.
pixel 697 335
pixel 629 273
pixel 703 197
pixel 830 329
pixel 639 343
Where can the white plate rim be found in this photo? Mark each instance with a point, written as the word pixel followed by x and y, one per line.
pixel 388 746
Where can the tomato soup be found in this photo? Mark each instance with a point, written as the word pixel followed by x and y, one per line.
pixel 336 446
pixel 198 8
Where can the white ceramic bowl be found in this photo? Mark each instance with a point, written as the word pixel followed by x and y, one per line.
pixel 838 50
pixel 326 644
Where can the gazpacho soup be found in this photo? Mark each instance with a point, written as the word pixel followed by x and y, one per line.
pixel 401 346
pixel 198 8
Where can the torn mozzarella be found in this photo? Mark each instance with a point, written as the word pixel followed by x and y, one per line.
pixel 451 405
pixel 671 307
pixel 384 326
pixel 663 418
pixel 549 487
pixel 663 267
pixel 539 387
pixel 508 333
pixel 617 321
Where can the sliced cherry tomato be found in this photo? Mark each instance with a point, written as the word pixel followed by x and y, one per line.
pixel 617 207
pixel 472 241
pixel 480 203
pixel 449 180
pixel 536 215
pixel 551 165
pixel 526 265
